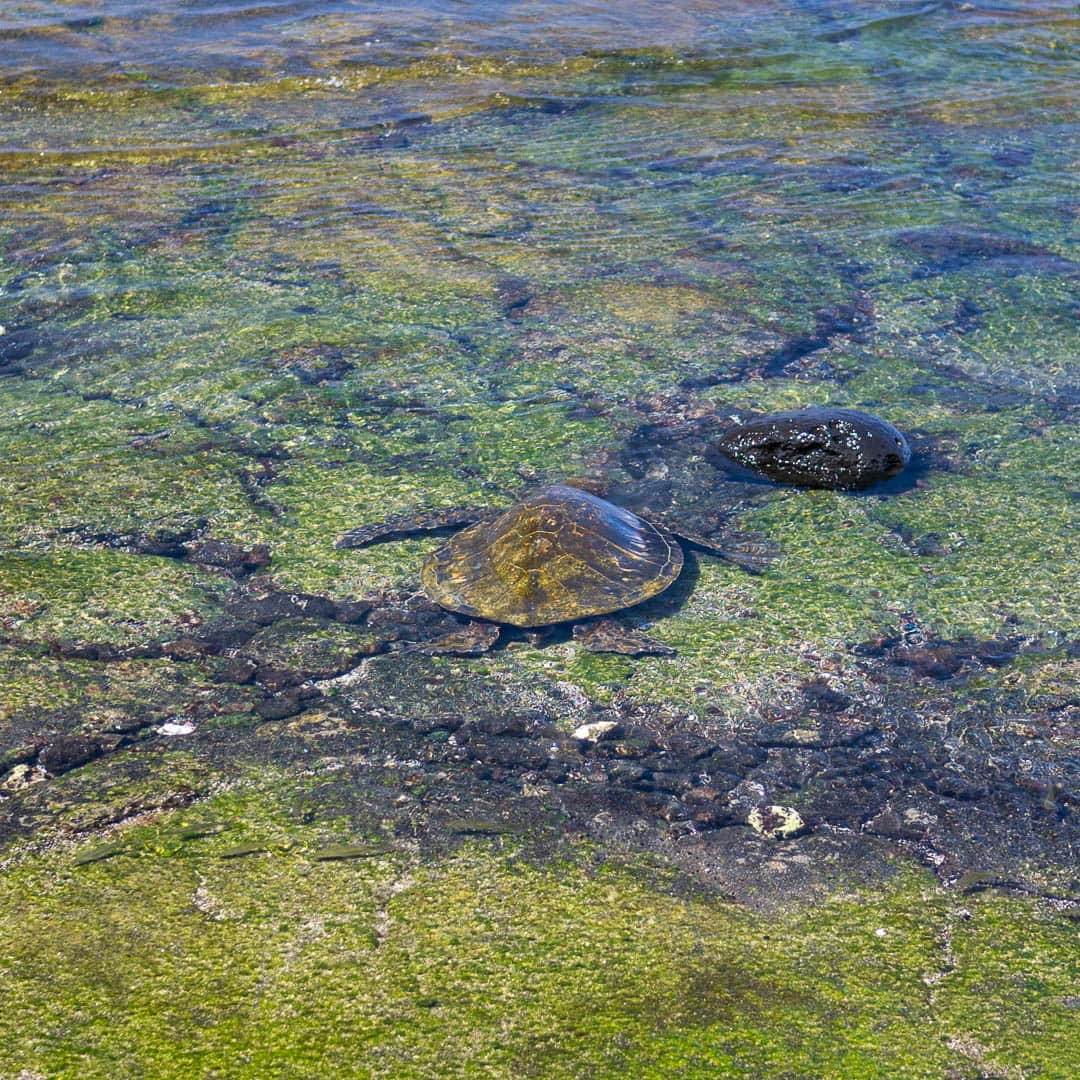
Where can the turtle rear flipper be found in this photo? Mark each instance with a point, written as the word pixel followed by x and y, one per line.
pixel 473 639
pixel 421 521
pixel 611 636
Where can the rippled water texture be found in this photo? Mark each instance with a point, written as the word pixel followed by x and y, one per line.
pixel 292 267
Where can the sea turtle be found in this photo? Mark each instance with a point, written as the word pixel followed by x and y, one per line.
pixel 559 555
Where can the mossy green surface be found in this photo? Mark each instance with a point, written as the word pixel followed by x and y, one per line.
pixel 225 926
pixel 102 596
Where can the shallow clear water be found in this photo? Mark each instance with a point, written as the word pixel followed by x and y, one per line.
pixel 524 219
pixel 271 271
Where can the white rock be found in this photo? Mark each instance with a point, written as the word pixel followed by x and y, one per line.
pixel 171 728
pixel 22 776
pixel 594 732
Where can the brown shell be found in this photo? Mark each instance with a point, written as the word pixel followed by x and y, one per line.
pixel 559 555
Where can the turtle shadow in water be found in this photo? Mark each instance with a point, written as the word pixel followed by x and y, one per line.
pixel 674 598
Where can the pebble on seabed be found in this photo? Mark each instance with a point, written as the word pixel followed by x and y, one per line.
pixel 594 732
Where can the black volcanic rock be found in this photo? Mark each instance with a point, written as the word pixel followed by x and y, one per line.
pixel 821 448
pixel 15 346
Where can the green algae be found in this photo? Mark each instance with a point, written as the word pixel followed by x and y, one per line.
pixel 487 960
pixel 101 467
pixel 102 596
pixel 40 692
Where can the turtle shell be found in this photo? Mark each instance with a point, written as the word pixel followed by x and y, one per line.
pixel 560 555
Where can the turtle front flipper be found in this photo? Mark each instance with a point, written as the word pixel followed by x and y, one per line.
pixel 421 521
pixel 754 556
pixel 473 639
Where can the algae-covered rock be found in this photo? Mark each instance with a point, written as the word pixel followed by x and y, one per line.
pixel 776 822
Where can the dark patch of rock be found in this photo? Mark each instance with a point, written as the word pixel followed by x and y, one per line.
pixel 185 648
pixel 518 725
pixel 105 652
pixel 284 705
pixel 1013 156
pixel 508 751
pixel 351 611
pixel 167 541
pixel 231 558
pixel 690 747
pixel 629 772
pixel 934 661
pixel 15 346
pixel 67 752
pixel 952 247
pixel 735 756
pixel 313 364
pixel 819 447
pixel 820 697
pixel 237 670
pixel 957 786
pixel 264 607
pixel 425 725
pixel 410 618
pixel 514 295
pixel 993 653
pixel 824 733
pixel 221 635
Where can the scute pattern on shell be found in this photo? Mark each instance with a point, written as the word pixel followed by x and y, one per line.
pixel 560 555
